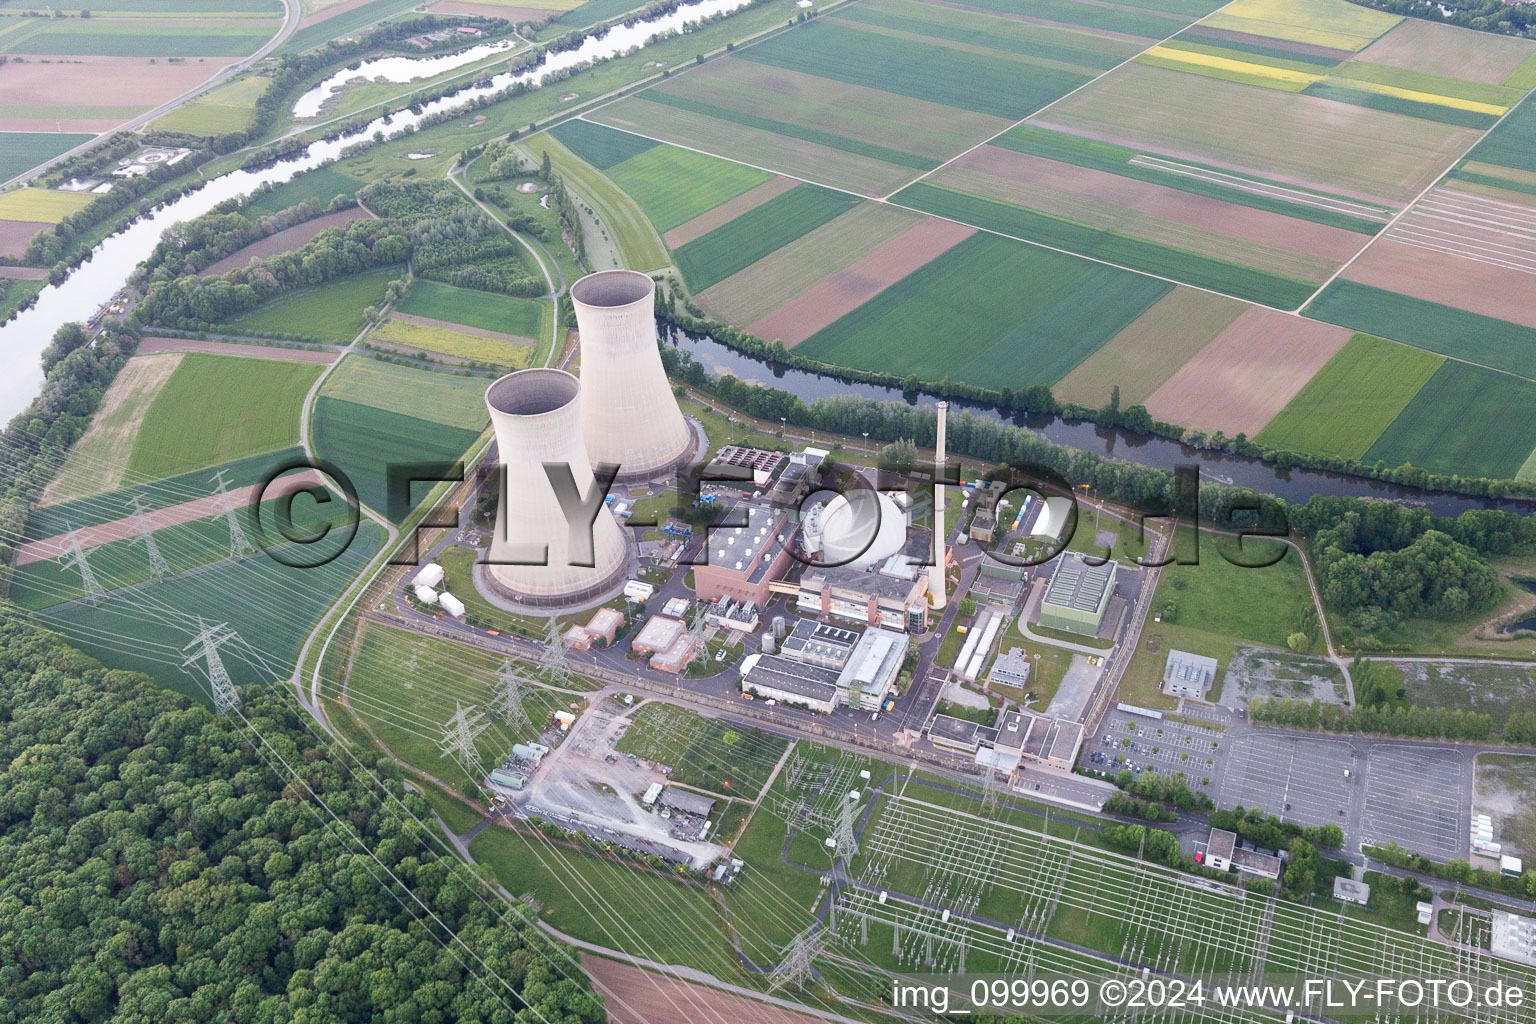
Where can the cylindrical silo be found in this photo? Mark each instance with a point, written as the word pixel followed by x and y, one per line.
pixel 628 410
pixel 537 418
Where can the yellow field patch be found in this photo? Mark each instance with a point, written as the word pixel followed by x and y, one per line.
pixel 41 204
pixel 454 343
pixel 1208 60
pixel 1423 97
pixel 1333 23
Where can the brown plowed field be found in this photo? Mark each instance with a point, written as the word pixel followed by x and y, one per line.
pixel 1107 192
pixel 1144 355
pixel 1240 381
pixel 15 234
pixel 849 289
pixel 230 348
pixel 1449 280
pixel 285 240
pixel 636 996
pixel 1450 51
pixel 729 210
pixel 1310 49
pixel 77 82
pixel 24 273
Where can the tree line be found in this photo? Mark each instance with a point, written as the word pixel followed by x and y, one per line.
pixel 1501 16
pixel 1413 721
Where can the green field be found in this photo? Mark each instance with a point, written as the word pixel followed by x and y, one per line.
pixel 1013 314
pixel 746 239
pixel 345 23
pixel 332 311
pixel 485 310
pixel 1513 142
pixel 639 245
pixel 219 408
pixel 1466 420
pixel 1098 243
pixel 139 38
pixel 271 606
pixel 1119 18
pixel 922 71
pixel 225 109
pixel 1341 92
pixel 41 204
pixel 443 340
pixel 24 150
pixel 704 753
pixel 439 397
pixel 981 29
pixel 319 186
pixel 599 145
pixel 1356 396
pixel 1428 325
pixel 366 441
pixel 653 178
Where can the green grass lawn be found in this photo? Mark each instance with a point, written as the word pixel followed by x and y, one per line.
pixel 1011 315
pixel 485 310
pixel 319 186
pixel 639 245
pixel 1356 396
pixel 704 752
pixel 1217 604
pixel 219 408
pixel 331 312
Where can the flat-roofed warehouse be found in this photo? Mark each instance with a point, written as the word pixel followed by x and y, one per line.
pixel 772 677
pixel 687 802
pixel 1188 675
pixel 1078 595
pixel 1514 937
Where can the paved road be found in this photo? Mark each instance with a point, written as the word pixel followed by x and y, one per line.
pixel 291 15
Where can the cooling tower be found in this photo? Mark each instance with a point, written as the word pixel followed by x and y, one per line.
pixel 537 418
pixel 628 411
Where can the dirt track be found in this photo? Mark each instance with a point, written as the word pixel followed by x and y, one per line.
pixel 149 346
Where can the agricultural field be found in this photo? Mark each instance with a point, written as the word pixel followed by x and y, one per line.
pixel 1466 420
pixel 271 606
pixel 1210 608
pixel 216 409
pixel 419 334
pixel 739 243
pixel 318 186
pixel 370 415
pixel 1431 48
pixel 1017 315
pixel 704 753
pixel 1330 23
pixel 485 310
pixel 339 20
pixel 638 243
pixel 21 151
pixel 871 96
pixel 1142 357
pixel 331 312
pixel 140 37
pixel 1352 400
pixel 225 109
pixel 41 205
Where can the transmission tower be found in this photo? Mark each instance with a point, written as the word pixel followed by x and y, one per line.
pixel 238 544
pixel 846 845
pixel 553 660
pixel 988 790
pixel 205 647
pixel 507 700
pixel 458 740
pixel 75 553
pixel 146 534
pixel 796 969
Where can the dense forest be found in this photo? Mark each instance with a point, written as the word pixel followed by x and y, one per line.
pixel 157 867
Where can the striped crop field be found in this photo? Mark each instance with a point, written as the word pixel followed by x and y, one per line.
pixel 1466 420
pixel 739 243
pixel 1331 23
pixel 1354 398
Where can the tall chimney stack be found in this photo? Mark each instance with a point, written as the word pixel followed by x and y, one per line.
pixel 936 596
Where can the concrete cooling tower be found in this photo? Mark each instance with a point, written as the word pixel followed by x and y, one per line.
pixel 628 410
pixel 537 418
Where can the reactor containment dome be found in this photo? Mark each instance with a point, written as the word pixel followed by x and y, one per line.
pixel 628 410
pixel 537 418
pixel 858 529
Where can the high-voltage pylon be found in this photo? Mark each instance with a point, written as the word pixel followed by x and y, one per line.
pixel 144 529
pixel 238 544
pixel 507 698
pixel 988 790
pixel 843 839
pixel 553 659
pixel 458 742
pixel 205 647
pixel 75 554
pixel 796 969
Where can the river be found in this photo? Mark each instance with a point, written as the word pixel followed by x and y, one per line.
pixel 392 69
pixel 1294 485
pixel 110 262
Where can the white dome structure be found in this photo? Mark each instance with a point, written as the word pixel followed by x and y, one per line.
pixel 537 418
pixel 628 410
pixel 858 529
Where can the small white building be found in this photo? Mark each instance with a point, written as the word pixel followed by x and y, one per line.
pixel 1426 911
pixel 675 608
pixel 1347 890
pixel 425 594
pixel 639 590
pixel 1512 867
pixel 651 793
pixel 450 604
pixel 429 575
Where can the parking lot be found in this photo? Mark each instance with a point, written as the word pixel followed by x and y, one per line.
pixel 1418 796
pixel 1160 745
pixel 1301 779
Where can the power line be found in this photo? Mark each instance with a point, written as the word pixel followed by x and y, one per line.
pixel 205 646
pixel 75 553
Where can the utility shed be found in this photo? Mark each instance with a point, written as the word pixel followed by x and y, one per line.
pixel 685 801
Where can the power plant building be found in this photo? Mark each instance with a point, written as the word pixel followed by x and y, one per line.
pixel 1188 675
pixel 819 643
pixel 741 562
pixel 628 413
pixel 872 669
pixel 1078 595
pixel 538 421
